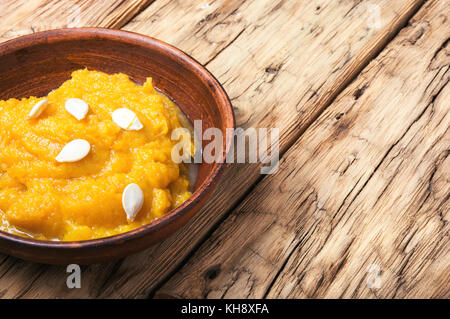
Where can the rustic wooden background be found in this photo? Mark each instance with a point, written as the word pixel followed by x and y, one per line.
pixel 362 103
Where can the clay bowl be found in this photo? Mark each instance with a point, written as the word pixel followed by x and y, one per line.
pixel 35 64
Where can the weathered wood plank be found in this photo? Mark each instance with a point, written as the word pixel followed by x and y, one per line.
pixel 277 73
pixel 22 17
pixel 366 188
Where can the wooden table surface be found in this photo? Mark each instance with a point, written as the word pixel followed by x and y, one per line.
pixel 360 205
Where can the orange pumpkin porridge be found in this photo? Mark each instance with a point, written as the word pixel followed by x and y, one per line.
pixel 90 160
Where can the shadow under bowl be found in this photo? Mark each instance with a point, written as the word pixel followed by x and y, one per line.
pixel 35 64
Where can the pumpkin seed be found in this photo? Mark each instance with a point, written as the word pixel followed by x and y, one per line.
pixel 132 200
pixel 38 108
pixel 77 107
pixel 127 119
pixel 74 151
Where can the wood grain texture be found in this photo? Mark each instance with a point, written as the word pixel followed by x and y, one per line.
pixel 22 17
pixel 282 63
pixel 283 83
pixel 366 188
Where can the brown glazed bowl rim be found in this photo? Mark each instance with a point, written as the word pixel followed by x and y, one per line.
pixel 216 89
